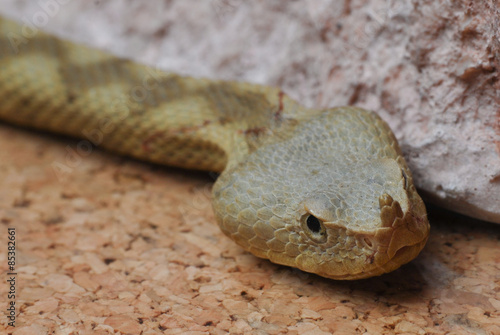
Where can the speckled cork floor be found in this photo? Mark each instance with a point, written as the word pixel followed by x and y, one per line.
pixel 108 245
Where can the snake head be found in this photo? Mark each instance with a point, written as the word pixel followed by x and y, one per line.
pixel 340 242
pixel 335 199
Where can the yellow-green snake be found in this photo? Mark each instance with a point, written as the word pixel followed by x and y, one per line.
pixel 326 191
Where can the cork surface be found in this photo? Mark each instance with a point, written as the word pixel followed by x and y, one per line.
pixel 108 245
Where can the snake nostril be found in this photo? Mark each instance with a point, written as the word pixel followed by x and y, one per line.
pixel 368 242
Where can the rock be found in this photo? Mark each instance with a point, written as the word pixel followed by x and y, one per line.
pixel 430 69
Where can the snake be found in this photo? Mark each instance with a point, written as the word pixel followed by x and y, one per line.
pixel 326 191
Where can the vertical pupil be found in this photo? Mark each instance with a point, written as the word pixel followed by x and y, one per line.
pixel 313 224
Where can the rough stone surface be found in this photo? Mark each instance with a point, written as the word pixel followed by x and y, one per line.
pixel 429 68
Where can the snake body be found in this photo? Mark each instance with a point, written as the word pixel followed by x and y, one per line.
pixel 326 191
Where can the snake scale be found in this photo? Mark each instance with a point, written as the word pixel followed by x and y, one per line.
pixel 326 191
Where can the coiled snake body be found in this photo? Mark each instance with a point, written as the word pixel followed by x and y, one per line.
pixel 325 191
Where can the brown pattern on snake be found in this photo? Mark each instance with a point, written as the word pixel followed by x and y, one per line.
pixel 326 191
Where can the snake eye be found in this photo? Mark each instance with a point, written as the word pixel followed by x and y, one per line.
pixel 313 228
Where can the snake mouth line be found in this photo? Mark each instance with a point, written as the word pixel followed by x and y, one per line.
pixel 385 264
pixel 402 256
